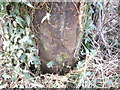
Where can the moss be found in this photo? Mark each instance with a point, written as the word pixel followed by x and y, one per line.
pixel 63 56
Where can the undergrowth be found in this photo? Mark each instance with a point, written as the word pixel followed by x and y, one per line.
pixel 98 65
pixel 19 55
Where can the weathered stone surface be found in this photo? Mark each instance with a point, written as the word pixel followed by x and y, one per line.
pixel 58 37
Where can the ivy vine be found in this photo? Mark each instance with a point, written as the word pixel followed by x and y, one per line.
pixel 19 46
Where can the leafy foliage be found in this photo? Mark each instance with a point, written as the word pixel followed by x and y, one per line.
pixel 19 44
pixel 95 51
pixel 99 51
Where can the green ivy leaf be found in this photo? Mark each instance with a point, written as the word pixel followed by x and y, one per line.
pixel 7 36
pixel 37 61
pixel 21 41
pixel 32 59
pixel 16 38
pixel 6 44
pixel 91 10
pixel 80 64
pixel 17 68
pixel 109 82
pixel 50 64
pixel 93 52
pixel 27 75
pixel 23 57
pixel 92 26
pixel 1 54
pixel 27 31
pixel 82 52
pixel 29 4
pixel 26 40
pixel 86 50
pixel 31 49
pixel 88 73
pixel 4 4
pixel 87 40
pixel 28 20
pixel 19 53
pixel 19 20
pixel 21 31
pixel 6 76
pixel 29 41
